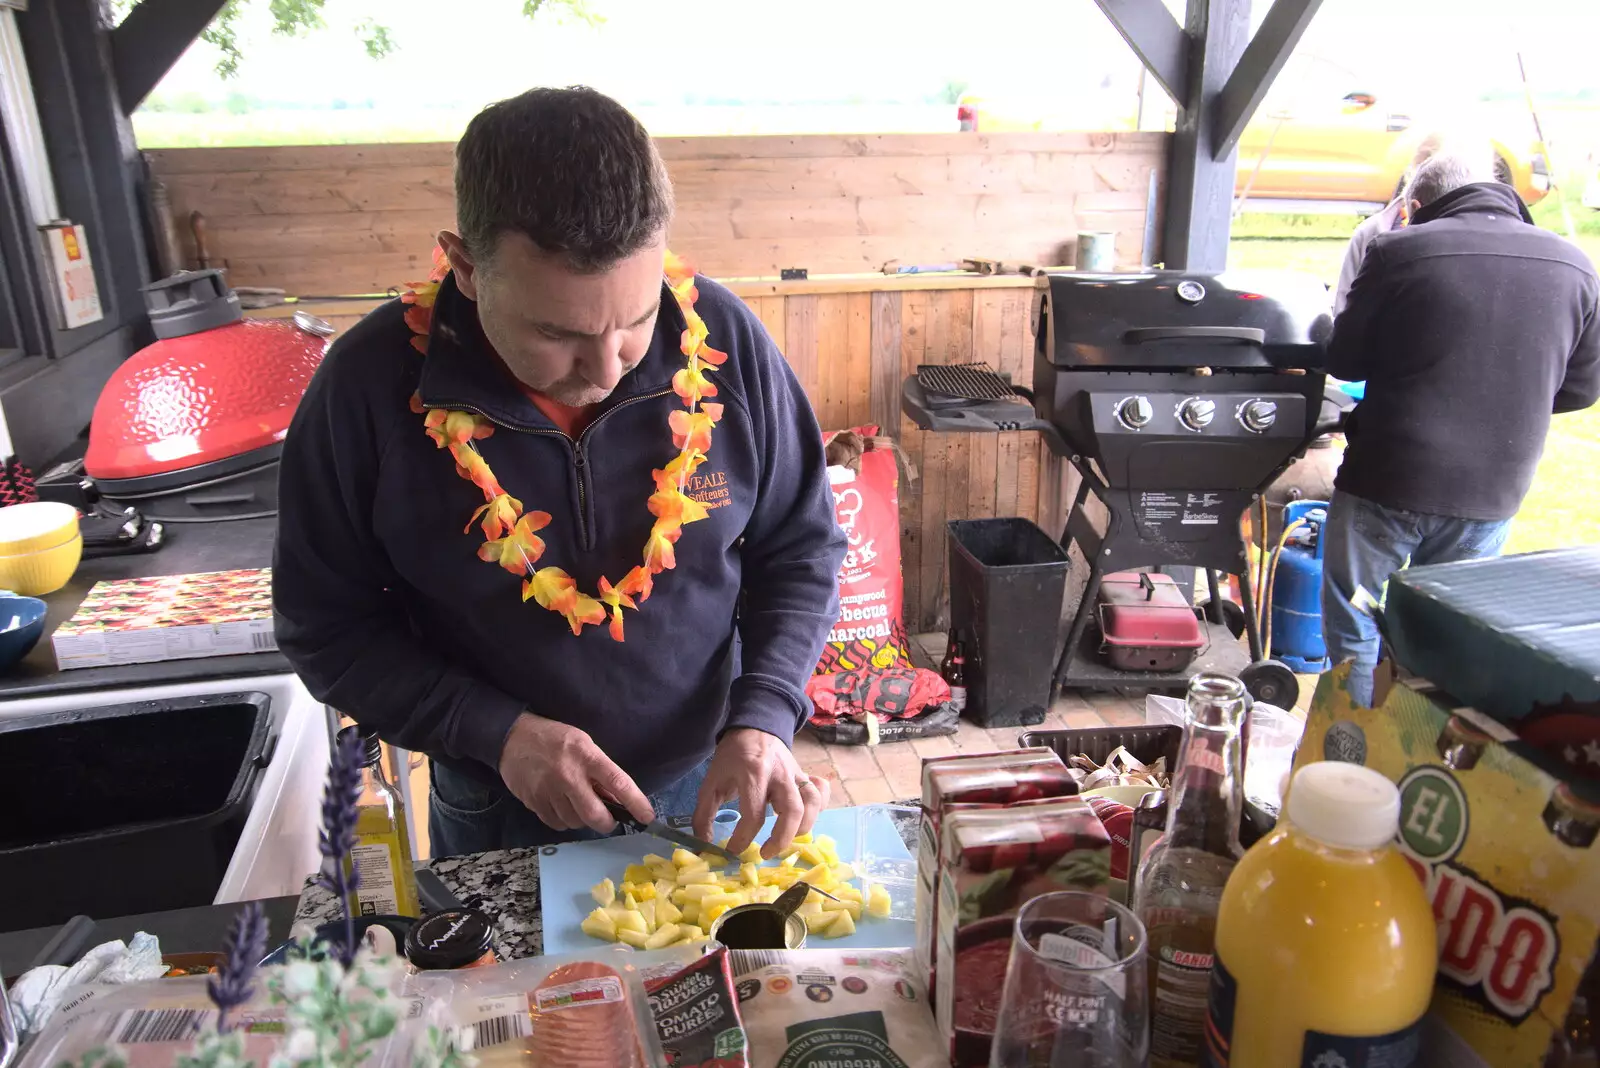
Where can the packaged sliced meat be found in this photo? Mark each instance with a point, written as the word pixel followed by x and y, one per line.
pixel 697 1015
pixel 805 1008
pixel 580 1011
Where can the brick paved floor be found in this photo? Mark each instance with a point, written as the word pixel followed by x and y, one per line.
pixel 864 775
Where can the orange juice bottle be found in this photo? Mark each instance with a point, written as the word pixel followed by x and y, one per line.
pixel 1326 946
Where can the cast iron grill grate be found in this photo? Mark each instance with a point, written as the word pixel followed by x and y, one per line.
pixel 969 381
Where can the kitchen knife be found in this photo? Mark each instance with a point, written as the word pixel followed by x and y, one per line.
pixel 658 829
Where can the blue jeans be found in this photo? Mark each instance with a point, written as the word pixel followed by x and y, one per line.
pixel 468 816
pixel 1363 544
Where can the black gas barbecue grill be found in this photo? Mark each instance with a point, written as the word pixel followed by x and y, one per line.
pixel 1178 397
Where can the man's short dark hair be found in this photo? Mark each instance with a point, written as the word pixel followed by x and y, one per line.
pixel 571 169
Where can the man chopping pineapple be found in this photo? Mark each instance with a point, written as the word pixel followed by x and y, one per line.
pixel 647 570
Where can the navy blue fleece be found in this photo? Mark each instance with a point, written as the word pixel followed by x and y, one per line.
pixel 388 615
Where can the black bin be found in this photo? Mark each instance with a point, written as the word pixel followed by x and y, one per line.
pixel 128 808
pixel 1007 581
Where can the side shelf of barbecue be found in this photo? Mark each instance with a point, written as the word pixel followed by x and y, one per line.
pixel 971 398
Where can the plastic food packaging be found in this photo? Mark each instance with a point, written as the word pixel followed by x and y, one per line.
pixel 697 1015
pixel 152 1022
pixel 814 1007
pixel 587 1010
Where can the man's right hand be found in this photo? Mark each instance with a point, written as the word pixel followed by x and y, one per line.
pixel 563 777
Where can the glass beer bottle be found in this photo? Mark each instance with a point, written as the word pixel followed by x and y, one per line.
pixel 1178 888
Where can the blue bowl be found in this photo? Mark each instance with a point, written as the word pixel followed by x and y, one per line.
pixel 21 626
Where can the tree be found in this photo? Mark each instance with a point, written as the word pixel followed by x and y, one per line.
pixel 295 17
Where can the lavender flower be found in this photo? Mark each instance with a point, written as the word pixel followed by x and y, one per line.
pixel 339 831
pixel 233 985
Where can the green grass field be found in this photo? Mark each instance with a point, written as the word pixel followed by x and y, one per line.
pixel 1560 509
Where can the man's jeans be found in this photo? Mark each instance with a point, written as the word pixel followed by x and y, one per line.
pixel 1363 544
pixel 468 816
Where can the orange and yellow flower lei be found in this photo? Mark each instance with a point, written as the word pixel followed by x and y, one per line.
pixel 511 534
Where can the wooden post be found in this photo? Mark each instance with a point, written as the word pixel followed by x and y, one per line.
pixel 151 39
pixel 1217 81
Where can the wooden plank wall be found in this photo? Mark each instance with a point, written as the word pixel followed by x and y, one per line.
pixel 852 350
pixel 343 219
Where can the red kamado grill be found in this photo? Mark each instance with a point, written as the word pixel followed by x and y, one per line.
pixel 189 429
pixel 1178 397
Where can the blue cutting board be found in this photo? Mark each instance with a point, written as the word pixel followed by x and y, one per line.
pixel 567 872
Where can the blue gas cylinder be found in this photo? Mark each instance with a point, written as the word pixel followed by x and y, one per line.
pixel 1297 591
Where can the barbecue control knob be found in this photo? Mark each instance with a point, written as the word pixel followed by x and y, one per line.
pixel 1135 413
pixel 1197 413
pixel 1257 416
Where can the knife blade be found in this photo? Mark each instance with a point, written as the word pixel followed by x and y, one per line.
pixel 658 829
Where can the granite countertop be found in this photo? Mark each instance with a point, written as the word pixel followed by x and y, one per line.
pixel 504 885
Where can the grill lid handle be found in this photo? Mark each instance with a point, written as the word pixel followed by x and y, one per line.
pixel 1244 335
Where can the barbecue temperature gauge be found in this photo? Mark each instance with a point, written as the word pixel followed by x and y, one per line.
pixel 1135 413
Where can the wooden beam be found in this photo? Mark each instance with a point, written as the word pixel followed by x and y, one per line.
pixel 1199 178
pixel 1157 39
pixel 151 39
pixel 1263 58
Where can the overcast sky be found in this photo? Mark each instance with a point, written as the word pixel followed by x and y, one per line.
pixel 469 52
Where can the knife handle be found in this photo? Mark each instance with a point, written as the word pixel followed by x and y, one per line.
pixel 623 818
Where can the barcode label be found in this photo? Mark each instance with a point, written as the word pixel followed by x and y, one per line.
pixel 746 961
pixel 162 1025
pixel 494 1031
pixel 263 641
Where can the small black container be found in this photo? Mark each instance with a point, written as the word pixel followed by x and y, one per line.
pixel 126 809
pixel 1008 579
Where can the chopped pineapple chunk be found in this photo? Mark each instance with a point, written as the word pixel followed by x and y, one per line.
pixel 843 924
pixel 820 922
pixel 628 901
pixel 691 914
pixel 843 872
pixel 751 854
pixel 667 912
pixel 852 907
pixel 791 861
pixel 647 909
pixel 878 903
pixel 637 873
pixel 802 839
pixel 631 920
pixel 599 924
pixel 683 858
pixel 703 877
pixel 699 891
pixel 636 939
pixel 604 892
pixel 664 935
pixel 652 859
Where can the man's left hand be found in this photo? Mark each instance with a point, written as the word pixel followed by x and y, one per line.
pixel 759 770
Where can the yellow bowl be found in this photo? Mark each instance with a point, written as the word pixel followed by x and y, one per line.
pixel 29 528
pixel 43 572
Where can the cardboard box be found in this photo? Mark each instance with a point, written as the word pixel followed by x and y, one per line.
pixel 1508 855
pixel 993 861
pixel 1514 637
pixel 169 617
pixel 974 780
